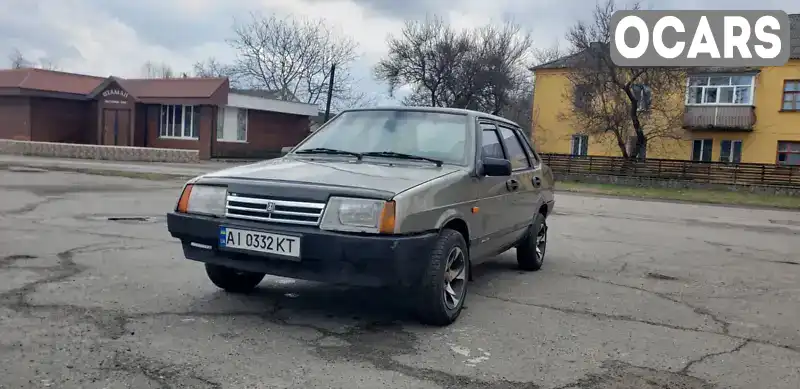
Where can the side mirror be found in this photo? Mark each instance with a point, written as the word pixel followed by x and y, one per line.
pixel 286 150
pixel 496 167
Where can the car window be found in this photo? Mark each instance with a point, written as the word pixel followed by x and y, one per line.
pixel 526 142
pixel 515 153
pixel 491 142
pixel 438 135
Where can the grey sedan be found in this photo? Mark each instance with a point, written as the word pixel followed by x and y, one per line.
pixel 407 198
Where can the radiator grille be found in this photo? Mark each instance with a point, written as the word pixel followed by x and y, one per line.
pixel 249 207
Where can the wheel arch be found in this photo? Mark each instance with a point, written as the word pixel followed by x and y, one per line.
pixel 458 224
pixel 544 209
pixel 452 218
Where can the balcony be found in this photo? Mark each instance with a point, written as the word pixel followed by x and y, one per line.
pixel 719 117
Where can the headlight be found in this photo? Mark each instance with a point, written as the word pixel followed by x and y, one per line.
pixel 203 199
pixel 359 215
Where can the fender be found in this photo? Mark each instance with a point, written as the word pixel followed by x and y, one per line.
pixel 449 215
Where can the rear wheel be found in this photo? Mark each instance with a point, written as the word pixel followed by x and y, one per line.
pixel 444 286
pixel 531 251
pixel 232 280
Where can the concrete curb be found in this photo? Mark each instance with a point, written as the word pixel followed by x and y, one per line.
pixel 146 175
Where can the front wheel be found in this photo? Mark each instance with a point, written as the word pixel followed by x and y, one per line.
pixel 232 280
pixel 444 286
pixel 530 252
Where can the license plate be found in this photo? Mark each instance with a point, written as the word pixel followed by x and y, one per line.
pixel 262 242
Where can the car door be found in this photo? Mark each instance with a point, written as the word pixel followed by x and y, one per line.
pixel 493 198
pixel 541 182
pixel 523 182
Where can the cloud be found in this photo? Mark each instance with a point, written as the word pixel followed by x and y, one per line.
pixel 105 37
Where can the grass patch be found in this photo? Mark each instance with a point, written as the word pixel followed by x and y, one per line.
pixel 708 196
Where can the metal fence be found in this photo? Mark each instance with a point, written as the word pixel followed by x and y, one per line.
pixel 677 170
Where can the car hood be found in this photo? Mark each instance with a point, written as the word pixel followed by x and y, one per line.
pixel 368 175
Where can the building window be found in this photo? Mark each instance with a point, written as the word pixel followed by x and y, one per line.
pixel 789 153
pixel 580 144
pixel 232 124
pixel 730 151
pixel 720 90
pixel 643 95
pixel 581 96
pixel 220 123
pixel 241 124
pixel 701 150
pixel 632 147
pixel 179 121
pixel 791 95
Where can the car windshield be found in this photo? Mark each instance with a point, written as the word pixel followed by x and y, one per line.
pixel 431 135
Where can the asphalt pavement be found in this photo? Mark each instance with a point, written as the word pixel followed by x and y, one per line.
pixel 95 294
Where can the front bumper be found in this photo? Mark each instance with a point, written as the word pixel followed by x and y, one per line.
pixel 333 257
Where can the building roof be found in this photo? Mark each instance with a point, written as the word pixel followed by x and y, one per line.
pixel 573 59
pixel 267 94
pixel 32 79
pixel 173 87
pixel 268 101
pixel 186 90
pixel 48 81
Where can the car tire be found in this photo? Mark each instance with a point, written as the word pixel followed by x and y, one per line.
pixel 442 292
pixel 232 280
pixel 532 249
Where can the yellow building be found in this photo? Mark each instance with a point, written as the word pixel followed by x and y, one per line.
pixel 749 116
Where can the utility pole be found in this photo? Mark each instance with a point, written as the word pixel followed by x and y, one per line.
pixel 330 94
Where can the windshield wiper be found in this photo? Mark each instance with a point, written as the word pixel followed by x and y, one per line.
pixel 324 150
pixel 392 154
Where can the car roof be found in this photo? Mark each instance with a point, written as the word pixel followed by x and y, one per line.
pixel 459 111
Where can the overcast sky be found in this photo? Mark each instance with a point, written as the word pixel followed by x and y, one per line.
pixel 115 37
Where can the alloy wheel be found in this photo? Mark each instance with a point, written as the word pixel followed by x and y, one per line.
pixel 455 278
pixel 541 242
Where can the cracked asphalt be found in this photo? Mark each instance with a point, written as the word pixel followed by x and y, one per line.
pixel 95 294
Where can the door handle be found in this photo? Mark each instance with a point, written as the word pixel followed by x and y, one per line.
pixel 537 182
pixel 512 185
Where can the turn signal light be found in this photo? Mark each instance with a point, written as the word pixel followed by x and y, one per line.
pixel 386 225
pixel 183 202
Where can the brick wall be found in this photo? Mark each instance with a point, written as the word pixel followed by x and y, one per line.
pixel 16 114
pixel 60 120
pixel 109 153
pixel 267 134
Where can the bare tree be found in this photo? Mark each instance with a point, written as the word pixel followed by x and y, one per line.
pixel 213 68
pixel 624 103
pixel 152 69
pixel 358 99
pixel 543 55
pixel 48 64
pixel 520 107
pixel 481 68
pixel 505 54
pixel 294 57
pixel 425 57
pixel 17 60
